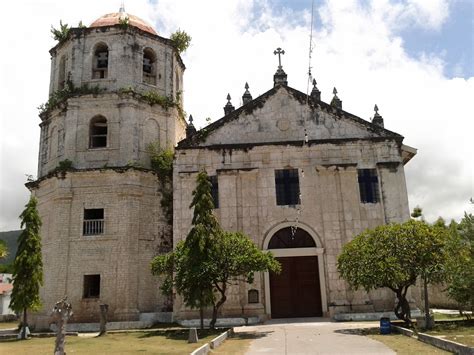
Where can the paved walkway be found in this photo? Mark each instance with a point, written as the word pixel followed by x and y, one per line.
pixel 312 336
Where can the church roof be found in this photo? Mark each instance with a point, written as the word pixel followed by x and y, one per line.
pixel 199 138
pixel 115 17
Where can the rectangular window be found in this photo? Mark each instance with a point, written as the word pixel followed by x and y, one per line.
pixel 91 286
pixel 214 190
pixel 93 221
pixel 368 185
pixel 287 187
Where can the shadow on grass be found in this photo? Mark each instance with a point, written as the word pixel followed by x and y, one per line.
pixel 181 334
pixel 359 331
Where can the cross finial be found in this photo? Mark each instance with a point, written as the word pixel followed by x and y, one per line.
pixel 122 7
pixel 279 51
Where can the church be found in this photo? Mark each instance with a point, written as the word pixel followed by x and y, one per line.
pixel 299 176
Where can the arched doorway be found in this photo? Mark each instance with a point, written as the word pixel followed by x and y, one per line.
pixel 296 291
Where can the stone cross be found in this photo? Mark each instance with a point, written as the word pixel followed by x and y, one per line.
pixel 279 51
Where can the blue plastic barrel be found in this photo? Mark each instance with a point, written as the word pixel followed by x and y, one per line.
pixel 385 325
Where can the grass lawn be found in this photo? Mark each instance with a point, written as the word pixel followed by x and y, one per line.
pixel 441 316
pixel 460 332
pixel 406 345
pixel 148 342
pixel 402 344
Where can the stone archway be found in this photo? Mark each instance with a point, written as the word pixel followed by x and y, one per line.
pixel 299 290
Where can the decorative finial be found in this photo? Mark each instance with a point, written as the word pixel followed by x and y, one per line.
pixel 246 97
pixel 228 108
pixel 336 102
pixel 315 93
pixel 122 7
pixel 190 129
pixel 377 120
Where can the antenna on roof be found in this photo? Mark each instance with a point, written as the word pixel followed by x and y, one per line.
pixel 310 77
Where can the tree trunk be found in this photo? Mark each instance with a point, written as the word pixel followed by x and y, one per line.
pixel 217 306
pixel 201 315
pixel 25 324
pixel 428 323
pixel 104 309
pixel 61 313
pixel 402 309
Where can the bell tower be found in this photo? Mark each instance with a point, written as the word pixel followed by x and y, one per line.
pixel 115 88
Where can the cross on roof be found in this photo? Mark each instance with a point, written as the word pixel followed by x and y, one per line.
pixel 279 51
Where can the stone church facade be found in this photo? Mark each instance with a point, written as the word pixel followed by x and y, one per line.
pixel 299 176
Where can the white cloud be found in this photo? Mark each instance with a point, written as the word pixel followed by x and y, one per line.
pixel 357 50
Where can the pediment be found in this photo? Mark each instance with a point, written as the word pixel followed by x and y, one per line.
pixel 283 115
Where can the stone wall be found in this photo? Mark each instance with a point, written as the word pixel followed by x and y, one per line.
pixel 330 206
pixel 131 126
pixel 134 232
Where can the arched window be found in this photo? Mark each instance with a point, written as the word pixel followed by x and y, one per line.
pixel 149 66
pixel 253 296
pixel 101 61
pixel 288 238
pixel 62 73
pixel 98 132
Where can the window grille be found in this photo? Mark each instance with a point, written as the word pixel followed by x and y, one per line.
pixel 98 133
pixel 253 296
pixel 93 221
pixel 368 186
pixel 91 286
pixel 287 187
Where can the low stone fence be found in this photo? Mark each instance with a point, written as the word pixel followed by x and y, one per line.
pixel 213 344
pixel 441 343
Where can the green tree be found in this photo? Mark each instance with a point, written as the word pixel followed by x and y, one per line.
pixel 28 265
pixel 235 258
pixel 209 260
pixel 3 249
pixel 394 256
pixel 460 265
pixel 181 40
pixel 191 257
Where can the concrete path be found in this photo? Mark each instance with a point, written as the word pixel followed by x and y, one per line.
pixel 312 336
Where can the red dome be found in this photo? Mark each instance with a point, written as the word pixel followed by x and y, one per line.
pixel 114 19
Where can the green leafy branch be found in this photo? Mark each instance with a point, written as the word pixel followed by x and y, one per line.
pixel 60 96
pixel 60 34
pixel 181 40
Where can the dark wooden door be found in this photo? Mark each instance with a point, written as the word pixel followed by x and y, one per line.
pixel 295 292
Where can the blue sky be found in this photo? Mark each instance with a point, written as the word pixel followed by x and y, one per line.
pixel 453 42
